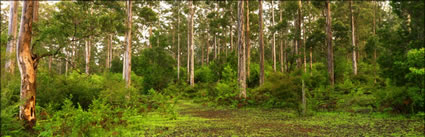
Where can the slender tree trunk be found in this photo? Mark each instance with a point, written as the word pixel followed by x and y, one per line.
pixel 188 50
pixel 329 43
pixel 374 34
pixel 281 56
pixel 299 43
pixel 311 61
pixel 50 63
pixel 110 51
pixel 59 68
pixel 274 39
pixel 281 44
pixel 208 52
pixel 124 68
pixel 304 100
pixel 215 47
pixel 260 12
pixel 248 42
pixel 231 28
pixel 27 66
pixel 107 55
pixel 88 51
pixel 304 47
pixel 66 64
pixel 311 55
pixel 285 55
pixel 128 48
pixel 218 47
pixel 353 38
pixel 178 43
pixel 73 54
pixel 241 50
pixel 192 53
pixel 12 32
pixel 202 55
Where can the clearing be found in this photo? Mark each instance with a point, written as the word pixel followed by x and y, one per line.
pixel 200 120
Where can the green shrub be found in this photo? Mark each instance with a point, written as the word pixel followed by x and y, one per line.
pixel 278 90
pixel 156 66
pixel 53 89
pixel 204 74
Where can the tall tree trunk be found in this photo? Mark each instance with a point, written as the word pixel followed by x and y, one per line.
pixel 260 12
pixel 150 35
pixel 27 66
pixel 353 38
pixel 374 34
pixel 303 100
pixel 128 47
pixel 12 32
pixel 178 43
pixel 329 43
pixel 311 54
pixel 88 51
pixel 73 53
pixel 285 55
pixel 248 41
pixel 110 51
pixel 231 28
pixel 124 64
pixel 192 53
pixel 208 51
pixel 299 43
pixel 107 55
pixel 218 47
pixel 188 50
pixel 281 44
pixel 241 50
pixel 66 64
pixel 281 56
pixel 274 39
pixel 311 60
pixel 202 55
pixel 150 30
pixel 304 47
pixel 50 63
pixel 215 46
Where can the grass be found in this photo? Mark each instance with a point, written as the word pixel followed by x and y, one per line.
pixel 200 120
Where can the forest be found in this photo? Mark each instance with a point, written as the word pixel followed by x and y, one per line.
pixel 212 68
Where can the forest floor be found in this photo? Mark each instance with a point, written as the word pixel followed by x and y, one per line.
pixel 200 120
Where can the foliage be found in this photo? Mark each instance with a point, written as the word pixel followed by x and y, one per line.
pixel 279 90
pixel 204 74
pixel 156 67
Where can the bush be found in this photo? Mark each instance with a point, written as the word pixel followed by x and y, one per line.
pixel 204 74
pixel 278 90
pixel 53 89
pixel 71 121
pixel 156 66
pixel 10 123
pixel 400 99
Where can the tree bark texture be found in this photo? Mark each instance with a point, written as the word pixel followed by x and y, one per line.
pixel 260 12
pixel 12 32
pixel 353 39
pixel 27 66
pixel 192 53
pixel 330 57
pixel 128 47
pixel 274 40
pixel 241 50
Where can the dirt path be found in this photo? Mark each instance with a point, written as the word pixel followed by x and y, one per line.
pixel 200 120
